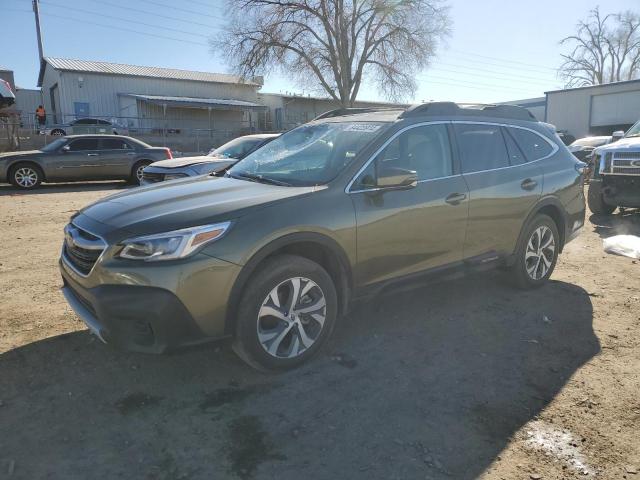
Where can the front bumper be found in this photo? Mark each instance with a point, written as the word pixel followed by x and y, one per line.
pixel 175 306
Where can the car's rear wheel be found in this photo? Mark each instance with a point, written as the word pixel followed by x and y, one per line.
pixel 137 172
pixel 537 253
pixel 25 175
pixel 58 132
pixel 286 313
pixel 596 201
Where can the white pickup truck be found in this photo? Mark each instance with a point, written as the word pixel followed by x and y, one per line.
pixel 615 181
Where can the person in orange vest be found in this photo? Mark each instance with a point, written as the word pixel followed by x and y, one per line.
pixel 41 116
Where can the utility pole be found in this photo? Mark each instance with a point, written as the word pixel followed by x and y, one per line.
pixel 36 11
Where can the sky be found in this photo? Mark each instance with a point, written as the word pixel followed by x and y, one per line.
pixel 499 50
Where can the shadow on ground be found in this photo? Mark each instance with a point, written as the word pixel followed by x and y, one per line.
pixel 429 383
pixel 627 223
pixel 6 189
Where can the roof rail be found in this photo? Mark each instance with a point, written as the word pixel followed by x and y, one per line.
pixel 450 108
pixel 339 112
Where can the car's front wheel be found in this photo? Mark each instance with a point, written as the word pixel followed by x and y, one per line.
pixel 25 175
pixel 286 313
pixel 57 132
pixel 537 253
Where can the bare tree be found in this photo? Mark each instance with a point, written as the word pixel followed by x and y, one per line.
pixel 605 49
pixel 332 45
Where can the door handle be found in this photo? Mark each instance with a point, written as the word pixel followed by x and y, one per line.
pixel 528 184
pixel 455 198
pixel 92 154
pixel 131 153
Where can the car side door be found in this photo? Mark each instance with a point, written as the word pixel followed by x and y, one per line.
pixel 78 159
pixel 116 155
pixel 409 230
pixel 503 187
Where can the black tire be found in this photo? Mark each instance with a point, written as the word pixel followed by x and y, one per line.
pixel 58 132
pixel 25 176
pixel 276 272
pixel 133 178
pixel 523 278
pixel 596 202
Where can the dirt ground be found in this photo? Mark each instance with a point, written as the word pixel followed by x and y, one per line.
pixel 460 380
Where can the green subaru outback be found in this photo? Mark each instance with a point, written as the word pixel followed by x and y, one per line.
pixel 275 251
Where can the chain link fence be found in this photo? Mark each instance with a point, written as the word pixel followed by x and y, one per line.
pixel 181 136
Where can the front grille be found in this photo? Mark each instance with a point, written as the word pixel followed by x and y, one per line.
pixel 81 248
pixel 629 155
pixel 621 163
pixel 153 177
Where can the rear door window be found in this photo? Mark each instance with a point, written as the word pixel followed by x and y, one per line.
pixel 532 145
pixel 83 144
pixel 114 144
pixel 482 147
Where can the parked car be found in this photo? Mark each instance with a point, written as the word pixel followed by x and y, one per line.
pixel 333 211
pixel 86 126
pixel 583 147
pixel 7 97
pixel 216 161
pixel 80 158
pixel 615 180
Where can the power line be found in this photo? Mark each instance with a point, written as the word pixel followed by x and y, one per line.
pixel 436 64
pixel 124 29
pixel 450 84
pixel 193 12
pixel 46 2
pixel 159 15
pixel 484 75
pixel 474 84
pixel 460 52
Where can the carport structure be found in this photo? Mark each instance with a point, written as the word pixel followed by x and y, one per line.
pixel 175 113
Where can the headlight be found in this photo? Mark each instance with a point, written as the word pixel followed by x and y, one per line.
pixel 172 245
pixel 173 176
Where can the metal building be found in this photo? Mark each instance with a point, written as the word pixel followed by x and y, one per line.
pixel 149 100
pixel 286 111
pixel 594 110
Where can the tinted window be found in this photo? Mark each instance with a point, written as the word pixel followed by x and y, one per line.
pixel 515 154
pixel 83 144
pixel 482 147
pixel 114 144
pixel 532 145
pixel 85 121
pixel 103 122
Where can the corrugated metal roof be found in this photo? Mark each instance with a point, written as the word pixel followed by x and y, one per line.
pixel 88 66
pixel 196 102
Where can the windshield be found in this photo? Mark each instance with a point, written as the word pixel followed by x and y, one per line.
pixel 55 145
pixel 634 131
pixel 236 148
pixel 309 155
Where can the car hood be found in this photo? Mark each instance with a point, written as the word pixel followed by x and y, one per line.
pixel 19 154
pixel 172 205
pixel 622 144
pixel 186 161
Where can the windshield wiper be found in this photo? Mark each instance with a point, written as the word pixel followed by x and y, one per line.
pixel 253 177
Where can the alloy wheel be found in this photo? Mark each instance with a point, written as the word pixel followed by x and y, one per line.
pixel 540 252
pixel 26 177
pixel 139 173
pixel 291 317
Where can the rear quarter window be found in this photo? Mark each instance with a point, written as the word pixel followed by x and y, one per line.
pixel 533 146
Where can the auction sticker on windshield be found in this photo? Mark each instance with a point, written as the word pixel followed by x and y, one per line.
pixel 362 127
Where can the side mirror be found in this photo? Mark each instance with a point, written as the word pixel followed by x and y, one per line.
pixel 617 135
pixel 66 148
pixel 397 178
